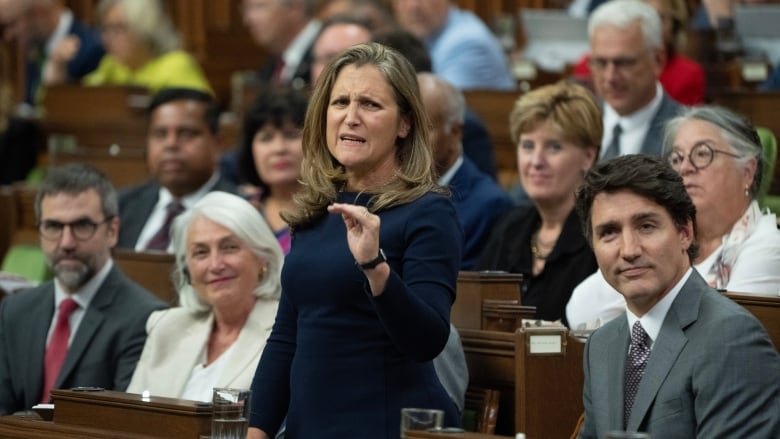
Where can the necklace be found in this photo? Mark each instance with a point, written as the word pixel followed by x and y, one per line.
pixel 535 247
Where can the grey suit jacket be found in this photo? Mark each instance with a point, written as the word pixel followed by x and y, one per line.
pixel 104 350
pixel 177 338
pixel 712 373
pixel 653 143
pixel 136 204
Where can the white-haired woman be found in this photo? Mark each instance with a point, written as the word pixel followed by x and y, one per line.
pixel 142 49
pixel 719 157
pixel 227 271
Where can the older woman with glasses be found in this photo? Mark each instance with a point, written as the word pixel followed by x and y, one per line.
pixel 719 156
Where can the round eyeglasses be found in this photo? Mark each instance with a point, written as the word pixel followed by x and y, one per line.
pixel 701 156
pixel 82 229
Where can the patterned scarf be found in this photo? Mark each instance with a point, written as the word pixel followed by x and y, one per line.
pixel 720 271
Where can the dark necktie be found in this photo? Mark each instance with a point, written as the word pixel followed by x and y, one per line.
pixel 635 367
pixel 278 68
pixel 162 238
pixel 58 347
pixel 613 150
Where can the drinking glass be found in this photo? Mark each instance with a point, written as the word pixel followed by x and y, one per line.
pixel 421 419
pixel 230 418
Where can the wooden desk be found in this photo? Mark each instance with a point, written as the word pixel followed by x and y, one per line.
pixel 434 435
pixel 541 393
pixel 476 286
pixel 107 414
pixel 765 308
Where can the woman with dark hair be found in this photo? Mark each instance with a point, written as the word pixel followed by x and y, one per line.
pixel 270 155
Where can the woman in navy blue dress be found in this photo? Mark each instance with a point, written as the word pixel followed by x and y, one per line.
pixel 369 281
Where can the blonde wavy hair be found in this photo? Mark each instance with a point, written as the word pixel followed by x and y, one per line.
pixel 323 176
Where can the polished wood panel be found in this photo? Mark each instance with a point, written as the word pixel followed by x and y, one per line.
pixel 765 308
pixel 541 393
pixel 494 107
pixel 107 414
pixel 484 404
pixel 151 270
pixel 476 286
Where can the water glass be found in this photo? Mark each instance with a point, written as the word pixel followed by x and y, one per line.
pixel 421 419
pixel 230 419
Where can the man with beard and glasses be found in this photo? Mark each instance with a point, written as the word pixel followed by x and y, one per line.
pixel 87 326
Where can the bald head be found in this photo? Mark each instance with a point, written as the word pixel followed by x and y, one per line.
pixel 335 37
pixel 446 108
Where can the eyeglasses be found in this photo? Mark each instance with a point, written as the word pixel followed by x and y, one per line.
pixel 620 63
pixel 82 229
pixel 701 156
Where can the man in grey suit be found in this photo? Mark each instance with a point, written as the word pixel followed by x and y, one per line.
pixel 684 361
pixel 87 326
pixel 183 147
pixel 627 57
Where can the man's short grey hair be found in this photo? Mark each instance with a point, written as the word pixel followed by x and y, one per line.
pixel 247 224
pixel 455 111
pixel 75 179
pixel 623 13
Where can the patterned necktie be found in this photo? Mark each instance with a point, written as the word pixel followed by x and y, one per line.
pixel 613 150
pixel 162 238
pixel 635 367
pixel 58 347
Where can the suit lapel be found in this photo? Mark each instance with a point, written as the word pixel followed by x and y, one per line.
pixel 618 347
pixel 89 325
pixel 131 229
pixel 671 341
pixel 248 345
pixel 38 326
pixel 187 355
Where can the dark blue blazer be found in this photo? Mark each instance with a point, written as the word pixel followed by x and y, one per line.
pixel 478 202
pixel 86 60
pixel 137 203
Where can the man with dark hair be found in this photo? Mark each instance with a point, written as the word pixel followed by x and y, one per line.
pixel 183 148
pixel 684 361
pixel 87 326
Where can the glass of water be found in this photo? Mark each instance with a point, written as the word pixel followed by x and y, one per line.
pixel 230 419
pixel 421 419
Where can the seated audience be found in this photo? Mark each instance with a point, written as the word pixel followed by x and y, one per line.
pixel 336 34
pixel 557 129
pixel 681 360
pixel 285 29
pixel 143 49
pixel 86 327
pixel 41 27
pixel 270 155
pixel 227 274
pixel 478 200
pixel 718 155
pixel 375 13
pixel 463 49
pixel 682 78
pixel 183 146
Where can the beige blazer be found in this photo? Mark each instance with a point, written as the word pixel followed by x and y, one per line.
pixel 176 338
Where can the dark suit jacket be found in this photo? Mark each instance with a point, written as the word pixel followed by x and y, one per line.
pixel 87 58
pixel 653 143
pixel 712 373
pixel 104 350
pixel 137 203
pixel 300 79
pixel 479 202
pixel 477 144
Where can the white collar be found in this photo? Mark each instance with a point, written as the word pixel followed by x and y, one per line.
pixel 446 178
pixel 295 52
pixel 165 197
pixel 654 319
pixel 637 119
pixel 85 295
pixel 59 34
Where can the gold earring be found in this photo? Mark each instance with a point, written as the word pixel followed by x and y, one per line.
pixel 747 191
pixel 263 270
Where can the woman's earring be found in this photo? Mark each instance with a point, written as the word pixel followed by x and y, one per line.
pixel 263 270
pixel 747 191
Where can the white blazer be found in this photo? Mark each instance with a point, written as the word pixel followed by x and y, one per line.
pixel 176 338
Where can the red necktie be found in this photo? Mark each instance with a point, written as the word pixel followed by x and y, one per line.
pixel 278 70
pixel 162 238
pixel 58 347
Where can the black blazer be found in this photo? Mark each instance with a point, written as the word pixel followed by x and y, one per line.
pixel 104 350
pixel 136 204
